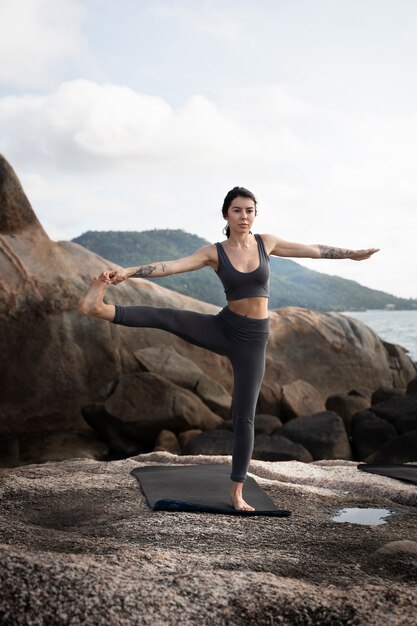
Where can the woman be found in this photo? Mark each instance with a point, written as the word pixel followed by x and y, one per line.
pixel 240 330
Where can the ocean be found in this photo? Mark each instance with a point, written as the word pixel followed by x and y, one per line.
pixel 398 327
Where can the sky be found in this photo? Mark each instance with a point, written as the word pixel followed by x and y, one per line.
pixel 142 114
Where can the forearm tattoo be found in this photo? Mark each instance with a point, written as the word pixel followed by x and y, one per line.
pixel 327 252
pixel 147 270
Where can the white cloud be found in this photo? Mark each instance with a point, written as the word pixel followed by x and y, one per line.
pixel 87 124
pixel 105 157
pixel 36 36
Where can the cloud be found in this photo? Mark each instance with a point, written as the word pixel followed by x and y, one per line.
pixel 36 37
pixel 103 156
pixel 85 124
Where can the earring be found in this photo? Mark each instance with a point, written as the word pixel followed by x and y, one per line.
pixel 225 229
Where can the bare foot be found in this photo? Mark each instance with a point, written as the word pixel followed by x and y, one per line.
pixel 92 303
pixel 237 502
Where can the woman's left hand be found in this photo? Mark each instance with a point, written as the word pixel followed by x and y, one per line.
pixel 361 255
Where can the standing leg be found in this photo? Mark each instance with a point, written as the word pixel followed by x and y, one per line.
pixel 248 368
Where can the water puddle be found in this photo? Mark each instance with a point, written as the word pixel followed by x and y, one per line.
pixel 370 517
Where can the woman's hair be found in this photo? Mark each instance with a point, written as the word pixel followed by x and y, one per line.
pixel 236 192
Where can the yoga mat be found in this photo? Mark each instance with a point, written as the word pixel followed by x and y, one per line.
pixel 400 472
pixel 200 488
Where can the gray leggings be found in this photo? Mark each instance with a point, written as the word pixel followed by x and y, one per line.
pixel 242 339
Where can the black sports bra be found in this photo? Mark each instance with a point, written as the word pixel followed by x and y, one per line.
pixel 238 285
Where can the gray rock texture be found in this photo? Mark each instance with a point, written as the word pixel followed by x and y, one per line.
pixel 80 546
pixel 323 434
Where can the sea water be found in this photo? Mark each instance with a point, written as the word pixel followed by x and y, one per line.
pixel 398 327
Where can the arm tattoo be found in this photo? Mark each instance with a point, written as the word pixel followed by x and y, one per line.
pixel 147 270
pixel 327 252
pixel 143 270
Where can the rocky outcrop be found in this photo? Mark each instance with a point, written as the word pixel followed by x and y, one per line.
pixel 300 398
pixel 54 362
pixel 323 434
pixel 166 362
pixel 79 545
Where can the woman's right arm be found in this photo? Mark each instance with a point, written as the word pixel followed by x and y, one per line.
pixel 200 258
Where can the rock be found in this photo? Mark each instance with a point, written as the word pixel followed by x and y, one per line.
pixel 385 393
pixel 412 387
pixel 369 433
pixel 187 435
pixel 266 424
pixel 300 398
pixel 400 412
pixel 333 352
pixel 403 449
pixel 323 434
pixel 109 429
pixel 9 451
pixel 277 448
pixel 269 400
pixel 144 404
pixel 225 425
pixel 211 442
pixel 167 441
pixel 399 557
pixel 166 361
pixel 346 405
pixel 80 545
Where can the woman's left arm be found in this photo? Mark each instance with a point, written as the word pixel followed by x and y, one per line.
pixel 280 247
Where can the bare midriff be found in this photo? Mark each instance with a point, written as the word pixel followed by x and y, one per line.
pixel 250 307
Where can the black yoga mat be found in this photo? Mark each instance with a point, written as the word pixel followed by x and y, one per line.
pixel 200 488
pixel 400 472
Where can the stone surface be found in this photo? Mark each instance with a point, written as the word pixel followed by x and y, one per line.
pixel 168 442
pixel 79 545
pixel 187 435
pixel 403 449
pixel 369 433
pixel 301 398
pixel 399 557
pixel 323 434
pixel 144 404
pixel 266 424
pixel 346 405
pixel 277 448
pixel 212 442
pixel 385 393
pixel 401 412
pixel 166 362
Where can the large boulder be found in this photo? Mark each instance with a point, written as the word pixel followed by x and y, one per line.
pixel 166 361
pixel 333 352
pixel 144 404
pixel 277 448
pixel 346 405
pixel 402 449
pixel 213 442
pixel 401 412
pixel 323 434
pixel 369 433
pixel 301 398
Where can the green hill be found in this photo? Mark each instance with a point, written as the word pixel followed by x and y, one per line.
pixel 291 283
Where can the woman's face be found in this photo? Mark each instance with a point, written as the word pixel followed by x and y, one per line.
pixel 241 214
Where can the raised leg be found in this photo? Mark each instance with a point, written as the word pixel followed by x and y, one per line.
pixel 92 304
